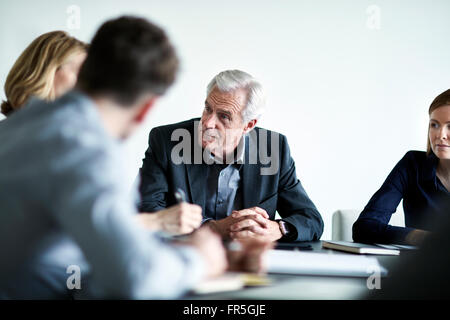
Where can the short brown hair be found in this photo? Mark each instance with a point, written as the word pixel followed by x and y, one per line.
pixel 441 100
pixel 128 56
pixel 33 72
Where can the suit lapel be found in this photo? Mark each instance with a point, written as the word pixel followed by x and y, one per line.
pixel 196 172
pixel 197 183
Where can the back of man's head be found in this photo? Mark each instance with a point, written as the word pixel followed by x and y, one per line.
pixel 128 57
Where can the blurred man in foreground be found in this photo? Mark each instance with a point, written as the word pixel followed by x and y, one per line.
pixel 64 212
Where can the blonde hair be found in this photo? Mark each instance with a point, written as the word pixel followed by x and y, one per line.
pixel 441 100
pixel 34 71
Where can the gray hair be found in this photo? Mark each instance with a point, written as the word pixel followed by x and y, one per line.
pixel 231 80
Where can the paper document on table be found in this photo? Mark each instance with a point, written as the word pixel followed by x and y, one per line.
pixel 232 281
pixel 312 263
pixel 225 282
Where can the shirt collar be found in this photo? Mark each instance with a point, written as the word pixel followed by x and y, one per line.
pixel 87 106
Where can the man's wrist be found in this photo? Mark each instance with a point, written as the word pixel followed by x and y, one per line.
pixel 157 220
pixel 276 231
pixel 149 221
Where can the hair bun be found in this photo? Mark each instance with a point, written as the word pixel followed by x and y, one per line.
pixel 6 108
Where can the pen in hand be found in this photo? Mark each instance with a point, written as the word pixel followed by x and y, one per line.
pixel 180 196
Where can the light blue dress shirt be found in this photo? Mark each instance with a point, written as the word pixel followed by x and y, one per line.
pixel 63 202
pixel 224 193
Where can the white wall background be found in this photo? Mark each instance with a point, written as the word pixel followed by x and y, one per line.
pixel 350 92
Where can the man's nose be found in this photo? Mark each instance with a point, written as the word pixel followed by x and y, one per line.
pixel 209 121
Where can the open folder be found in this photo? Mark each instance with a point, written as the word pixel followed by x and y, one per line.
pixel 324 264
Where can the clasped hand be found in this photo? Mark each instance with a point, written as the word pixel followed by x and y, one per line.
pixel 248 223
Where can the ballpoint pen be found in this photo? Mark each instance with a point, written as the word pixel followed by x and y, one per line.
pixel 180 196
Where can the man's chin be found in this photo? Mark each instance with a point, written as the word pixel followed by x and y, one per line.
pixel 208 147
pixel 211 148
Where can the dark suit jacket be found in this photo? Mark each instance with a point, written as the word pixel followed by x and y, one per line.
pixel 281 191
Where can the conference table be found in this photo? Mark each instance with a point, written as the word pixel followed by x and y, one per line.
pixel 304 286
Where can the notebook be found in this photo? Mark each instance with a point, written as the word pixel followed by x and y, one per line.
pixel 361 248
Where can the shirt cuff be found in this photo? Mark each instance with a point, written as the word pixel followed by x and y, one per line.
pixel 206 220
pixel 394 234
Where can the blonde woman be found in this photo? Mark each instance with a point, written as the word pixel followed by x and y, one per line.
pixel 47 69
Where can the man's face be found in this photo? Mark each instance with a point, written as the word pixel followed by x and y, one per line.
pixel 221 126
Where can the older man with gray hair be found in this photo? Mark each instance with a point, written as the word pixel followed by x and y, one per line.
pixel 239 175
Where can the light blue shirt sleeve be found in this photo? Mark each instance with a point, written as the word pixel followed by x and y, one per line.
pixel 93 207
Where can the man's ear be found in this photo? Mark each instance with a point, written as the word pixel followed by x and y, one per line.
pixel 144 109
pixel 250 125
